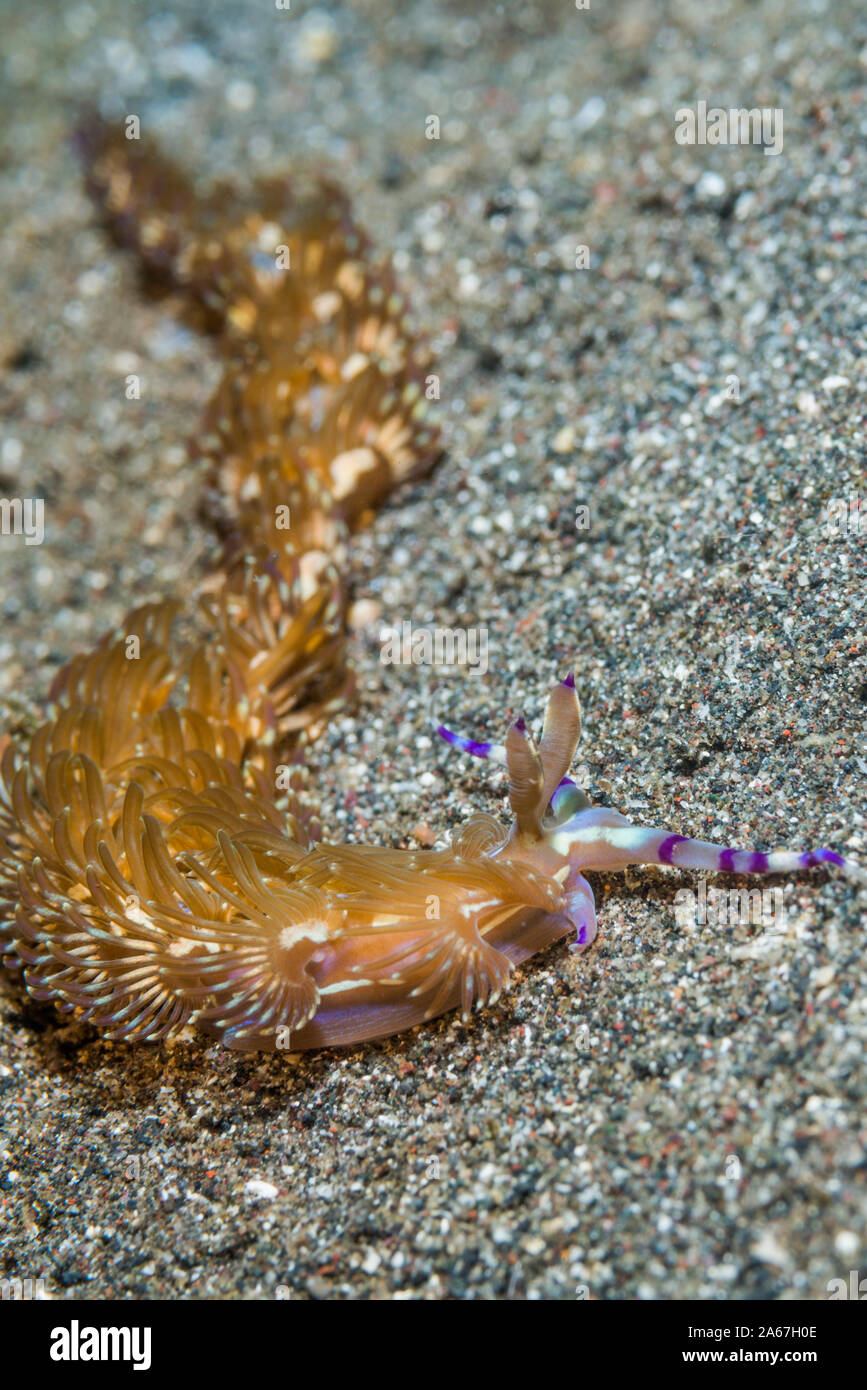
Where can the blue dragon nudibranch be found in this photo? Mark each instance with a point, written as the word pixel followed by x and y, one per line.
pixel 160 864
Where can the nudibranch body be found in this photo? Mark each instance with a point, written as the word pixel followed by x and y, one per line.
pixel 160 864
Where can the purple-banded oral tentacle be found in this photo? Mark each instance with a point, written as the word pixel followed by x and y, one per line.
pixel 607 841
pixel 561 733
pixel 526 777
pixel 494 752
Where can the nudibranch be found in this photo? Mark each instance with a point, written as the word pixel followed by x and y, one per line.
pixel 160 862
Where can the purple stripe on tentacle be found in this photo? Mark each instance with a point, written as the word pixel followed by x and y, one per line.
pixel 822 856
pixel 569 681
pixel 666 849
pixel 582 934
pixel 830 856
pixel 727 861
pixel 467 745
pixel 758 863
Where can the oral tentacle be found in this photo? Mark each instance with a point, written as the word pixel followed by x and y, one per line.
pixel 494 752
pixel 616 846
